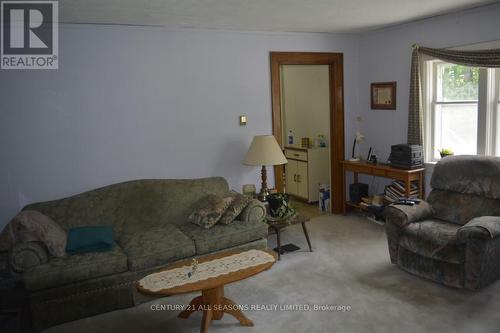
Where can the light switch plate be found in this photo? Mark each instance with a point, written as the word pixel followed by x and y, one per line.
pixel 243 120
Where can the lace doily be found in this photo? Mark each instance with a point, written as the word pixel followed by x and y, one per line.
pixel 210 269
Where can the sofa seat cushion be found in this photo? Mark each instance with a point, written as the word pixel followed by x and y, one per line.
pixel 434 239
pixel 156 246
pixel 74 268
pixel 222 236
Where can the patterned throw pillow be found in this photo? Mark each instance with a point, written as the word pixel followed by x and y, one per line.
pixel 210 210
pixel 33 226
pixel 239 203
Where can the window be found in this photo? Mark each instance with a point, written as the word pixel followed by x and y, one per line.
pixel 497 112
pixel 462 109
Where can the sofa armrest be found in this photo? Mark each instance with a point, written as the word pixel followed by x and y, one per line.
pixel 254 211
pixel 483 227
pixel 402 215
pixel 27 255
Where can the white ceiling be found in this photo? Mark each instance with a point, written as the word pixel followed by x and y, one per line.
pixel 261 15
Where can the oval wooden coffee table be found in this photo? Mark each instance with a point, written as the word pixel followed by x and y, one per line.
pixel 210 276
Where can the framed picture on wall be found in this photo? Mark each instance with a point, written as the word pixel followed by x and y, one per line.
pixel 383 95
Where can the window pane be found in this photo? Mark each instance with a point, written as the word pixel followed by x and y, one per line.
pixel 456 128
pixel 497 129
pixel 457 83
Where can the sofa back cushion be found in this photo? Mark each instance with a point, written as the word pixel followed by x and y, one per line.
pixel 92 208
pixel 133 205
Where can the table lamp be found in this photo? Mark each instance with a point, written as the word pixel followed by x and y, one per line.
pixel 359 138
pixel 264 150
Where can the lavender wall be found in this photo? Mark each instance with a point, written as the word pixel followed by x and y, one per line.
pixel 385 55
pixel 138 102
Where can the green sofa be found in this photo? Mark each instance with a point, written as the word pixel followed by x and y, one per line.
pixel 151 231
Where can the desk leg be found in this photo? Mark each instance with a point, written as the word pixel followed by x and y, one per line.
pixel 421 185
pixel 408 187
pixel 344 206
pixel 355 174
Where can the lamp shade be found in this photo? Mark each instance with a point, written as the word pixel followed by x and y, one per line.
pixel 360 138
pixel 264 150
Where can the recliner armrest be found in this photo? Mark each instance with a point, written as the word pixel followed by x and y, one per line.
pixel 483 227
pixel 254 211
pixel 402 215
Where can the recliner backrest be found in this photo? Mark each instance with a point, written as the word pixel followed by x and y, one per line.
pixel 464 187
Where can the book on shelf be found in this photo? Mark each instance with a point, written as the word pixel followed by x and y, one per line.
pixel 400 193
pixel 397 189
pixel 402 187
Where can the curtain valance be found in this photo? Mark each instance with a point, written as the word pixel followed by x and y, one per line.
pixel 476 58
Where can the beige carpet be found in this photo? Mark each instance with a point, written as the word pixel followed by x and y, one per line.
pixel 350 267
pixel 306 209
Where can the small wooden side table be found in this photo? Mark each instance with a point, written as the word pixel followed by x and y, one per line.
pixel 276 224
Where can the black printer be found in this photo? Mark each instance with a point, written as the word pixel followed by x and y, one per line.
pixel 405 156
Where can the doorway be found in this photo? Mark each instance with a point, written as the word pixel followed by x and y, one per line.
pixel 331 65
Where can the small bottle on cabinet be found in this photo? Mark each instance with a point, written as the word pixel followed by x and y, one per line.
pixel 290 137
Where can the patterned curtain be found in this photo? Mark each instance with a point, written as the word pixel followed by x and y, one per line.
pixel 479 58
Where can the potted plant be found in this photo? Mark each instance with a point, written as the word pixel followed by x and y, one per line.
pixel 279 205
pixel 445 152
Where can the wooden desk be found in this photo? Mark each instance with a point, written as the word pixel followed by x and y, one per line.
pixel 382 170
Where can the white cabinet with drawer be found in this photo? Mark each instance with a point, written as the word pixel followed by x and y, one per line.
pixel 305 170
